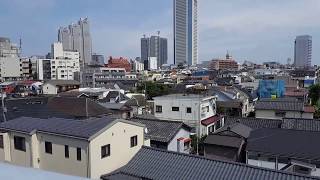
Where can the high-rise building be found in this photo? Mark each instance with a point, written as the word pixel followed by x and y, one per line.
pixel 303 51
pixel 76 37
pixel 64 64
pixel 154 46
pixel 10 66
pixel 185 32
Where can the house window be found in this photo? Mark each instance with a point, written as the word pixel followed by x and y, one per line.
pixel 133 141
pixel 158 109
pixel 186 145
pixel 189 110
pixel 105 151
pixel 207 107
pixel 175 108
pixel 79 154
pixel 19 143
pixel 1 141
pixel 48 147
pixel 280 113
pixel 66 151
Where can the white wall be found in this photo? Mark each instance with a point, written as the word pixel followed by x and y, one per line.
pixel 173 145
pixel 193 119
pixel 270 114
pixel 49 89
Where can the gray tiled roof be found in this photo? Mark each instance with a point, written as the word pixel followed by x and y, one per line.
pixel 238 128
pixel 303 145
pixel 279 105
pixel 301 124
pixel 254 123
pixel 151 163
pixel 161 130
pixel 83 129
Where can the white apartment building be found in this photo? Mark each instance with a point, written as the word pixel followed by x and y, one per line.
pixel 64 63
pixel 86 148
pixel 188 108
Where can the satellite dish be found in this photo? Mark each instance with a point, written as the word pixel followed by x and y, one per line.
pixel 146 130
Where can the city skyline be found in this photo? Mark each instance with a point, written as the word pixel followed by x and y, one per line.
pixel 263 31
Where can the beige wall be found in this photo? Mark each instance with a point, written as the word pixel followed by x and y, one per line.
pixel 57 162
pixel 118 136
pixel 20 157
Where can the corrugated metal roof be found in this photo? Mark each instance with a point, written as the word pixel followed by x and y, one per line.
pixel 151 163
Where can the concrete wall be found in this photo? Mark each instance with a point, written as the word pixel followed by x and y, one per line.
pixel 57 161
pixel 118 136
pixel 173 145
pixel 10 67
pixel 49 89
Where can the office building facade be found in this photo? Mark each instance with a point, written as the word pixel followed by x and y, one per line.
pixel 154 46
pixel 303 51
pixel 185 32
pixel 77 37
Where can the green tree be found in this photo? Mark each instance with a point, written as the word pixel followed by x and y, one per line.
pixel 314 93
pixel 153 89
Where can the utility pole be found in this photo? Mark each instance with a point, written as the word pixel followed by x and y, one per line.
pixel 4 109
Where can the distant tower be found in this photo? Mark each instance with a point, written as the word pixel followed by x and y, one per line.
pixel 303 51
pixel 77 37
pixel 289 61
pixel 185 32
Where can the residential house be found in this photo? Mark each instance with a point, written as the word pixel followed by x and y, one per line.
pixel 164 134
pixel 138 103
pixel 120 109
pixel 151 163
pixel 283 108
pixel 87 148
pixel 285 149
pixel 227 143
pixel 57 86
pixel 233 101
pixel 188 108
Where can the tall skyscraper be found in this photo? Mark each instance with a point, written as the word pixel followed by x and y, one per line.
pixel 303 51
pixel 76 37
pixel 155 47
pixel 185 32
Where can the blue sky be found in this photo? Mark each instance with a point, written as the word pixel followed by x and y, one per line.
pixel 256 30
